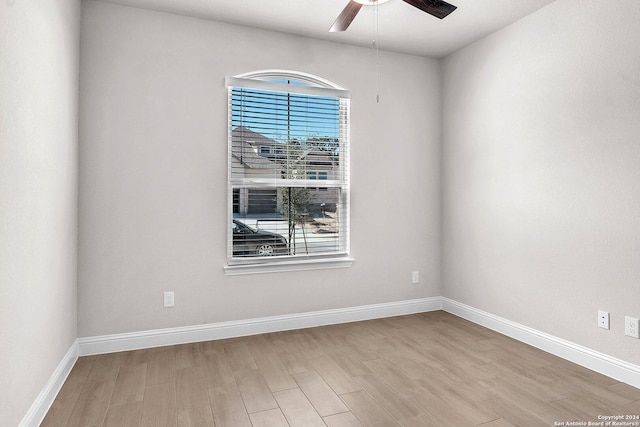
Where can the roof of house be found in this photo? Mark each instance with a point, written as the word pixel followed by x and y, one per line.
pixel 243 141
pixel 244 147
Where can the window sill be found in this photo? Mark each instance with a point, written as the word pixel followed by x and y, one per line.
pixel 278 267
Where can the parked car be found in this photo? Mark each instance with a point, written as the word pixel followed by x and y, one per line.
pixel 250 242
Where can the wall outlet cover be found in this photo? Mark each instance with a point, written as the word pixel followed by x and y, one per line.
pixel 415 277
pixel 603 319
pixel 169 299
pixel 631 327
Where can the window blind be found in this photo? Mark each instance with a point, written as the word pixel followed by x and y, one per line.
pixel 288 169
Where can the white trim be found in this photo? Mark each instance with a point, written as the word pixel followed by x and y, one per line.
pixel 285 88
pixel 293 75
pixel 271 182
pixel 583 356
pixel 213 331
pixel 311 79
pixel 45 399
pixel 288 265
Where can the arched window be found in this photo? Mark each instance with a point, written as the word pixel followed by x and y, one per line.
pixel 288 172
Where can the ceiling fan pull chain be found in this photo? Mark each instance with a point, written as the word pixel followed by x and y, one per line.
pixel 376 32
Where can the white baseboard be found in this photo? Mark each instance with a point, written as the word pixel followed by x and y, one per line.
pixel 591 359
pixel 214 331
pixel 583 356
pixel 596 361
pixel 43 402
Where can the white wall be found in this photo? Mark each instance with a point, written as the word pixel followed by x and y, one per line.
pixel 541 172
pixel 39 51
pixel 153 173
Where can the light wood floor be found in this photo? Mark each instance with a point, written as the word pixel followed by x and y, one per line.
pixel 430 369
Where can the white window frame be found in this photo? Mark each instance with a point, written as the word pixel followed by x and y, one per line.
pixel 263 80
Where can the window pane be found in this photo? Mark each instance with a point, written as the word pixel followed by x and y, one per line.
pixel 283 117
pixel 280 145
pixel 304 220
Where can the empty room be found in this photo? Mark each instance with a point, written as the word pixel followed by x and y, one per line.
pixel 319 213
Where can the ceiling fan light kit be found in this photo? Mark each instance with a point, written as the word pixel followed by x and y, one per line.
pixel 370 2
pixel 439 9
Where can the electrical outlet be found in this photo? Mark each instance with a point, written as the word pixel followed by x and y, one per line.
pixel 631 326
pixel 603 319
pixel 169 299
pixel 415 277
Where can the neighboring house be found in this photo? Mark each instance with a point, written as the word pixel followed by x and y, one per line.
pixel 248 164
pixel 255 156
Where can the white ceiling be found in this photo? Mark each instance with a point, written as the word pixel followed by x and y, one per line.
pixel 402 27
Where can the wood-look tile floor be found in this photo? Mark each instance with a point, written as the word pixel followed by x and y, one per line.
pixel 430 369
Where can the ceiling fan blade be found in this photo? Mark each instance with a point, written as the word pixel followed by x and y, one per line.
pixel 346 16
pixel 437 8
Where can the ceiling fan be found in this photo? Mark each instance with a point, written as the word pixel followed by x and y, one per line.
pixel 437 8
